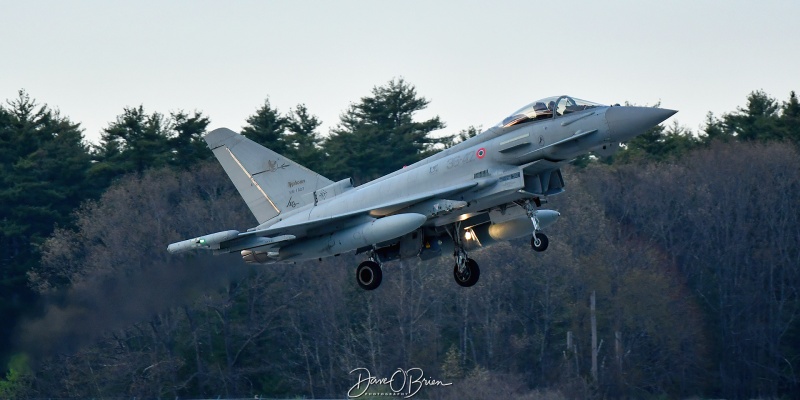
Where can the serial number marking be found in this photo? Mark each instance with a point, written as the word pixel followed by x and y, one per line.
pixel 460 160
pixel 509 177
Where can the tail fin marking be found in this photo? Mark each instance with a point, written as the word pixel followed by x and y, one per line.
pixel 253 181
pixel 268 182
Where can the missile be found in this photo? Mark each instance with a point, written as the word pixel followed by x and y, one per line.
pixel 210 242
pixel 366 234
pixel 253 243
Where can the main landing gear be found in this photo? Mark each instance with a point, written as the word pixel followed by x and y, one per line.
pixel 466 271
pixel 369 274
pixel 539 240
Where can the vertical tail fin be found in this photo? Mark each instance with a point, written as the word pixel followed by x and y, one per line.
pixel 268 182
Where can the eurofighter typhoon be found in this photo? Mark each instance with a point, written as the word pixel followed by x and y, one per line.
pixel 488 188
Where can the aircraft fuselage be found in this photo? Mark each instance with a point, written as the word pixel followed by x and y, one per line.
pixel 485 189
pixel 495 161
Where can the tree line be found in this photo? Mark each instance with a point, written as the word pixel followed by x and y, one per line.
pixel 688 239
pixel 48 170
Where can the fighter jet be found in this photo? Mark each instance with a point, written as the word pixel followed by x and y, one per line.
pixel 488 188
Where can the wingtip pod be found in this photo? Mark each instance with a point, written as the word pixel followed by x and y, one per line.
pixel 209 242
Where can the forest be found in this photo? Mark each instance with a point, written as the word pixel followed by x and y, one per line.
pixel 687 239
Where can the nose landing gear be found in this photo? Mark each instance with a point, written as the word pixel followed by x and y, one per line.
pixel 539 240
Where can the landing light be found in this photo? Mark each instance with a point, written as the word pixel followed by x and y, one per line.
pixel 468 235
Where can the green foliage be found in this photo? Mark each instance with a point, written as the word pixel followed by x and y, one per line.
pixel 790 118
pixel 659 143
pixel 763 119
pixel 137 141
pixel 303 140
pixel 44 164
pixel 462 135
pixel 714 131
pixel 134 142
pixel 378 135
pixel 19 378
pixel 582 161
pixel 694 270
pixel 43 167
pixel 757 121
pixel 187 144
pixel 267 127
pixel 452 367
pixel 293 135
pixel 142 140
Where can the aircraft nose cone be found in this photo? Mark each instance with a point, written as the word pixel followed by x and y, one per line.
pixel 625 123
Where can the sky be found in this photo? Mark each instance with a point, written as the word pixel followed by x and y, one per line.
pixel 475 61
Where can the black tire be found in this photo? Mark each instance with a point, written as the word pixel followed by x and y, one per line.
pixel 470 276
pixel 543 242
pixel 369 275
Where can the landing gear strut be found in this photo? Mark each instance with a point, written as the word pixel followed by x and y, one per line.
pixel 369 274
pixel 539 241
pixel 466 271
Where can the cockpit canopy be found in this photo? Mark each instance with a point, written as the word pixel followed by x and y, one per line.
pixel 549 107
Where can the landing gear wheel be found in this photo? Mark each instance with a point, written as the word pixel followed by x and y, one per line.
pixel 369 275
pixel 469 276
pixel 539 242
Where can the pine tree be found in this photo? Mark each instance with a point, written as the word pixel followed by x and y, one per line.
pixel 43 168
pixel 790 118
pixel 452 367
pixel 758 121
pixel 135 142
pixel 267 127
pixel 714 129
pixel 462 135
pixel 303 140
pixel 659 143
pixel 378 135
pixel 187 144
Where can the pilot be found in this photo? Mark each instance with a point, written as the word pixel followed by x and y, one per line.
pixel 542 111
